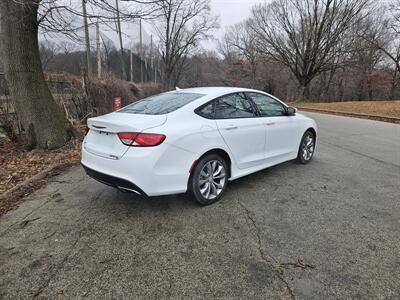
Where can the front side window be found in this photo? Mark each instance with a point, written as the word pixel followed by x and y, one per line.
pixel 267 106
pixel 233 106
pixel 161 104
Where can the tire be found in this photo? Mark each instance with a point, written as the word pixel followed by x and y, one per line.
pixel 306 148
pixel 202 182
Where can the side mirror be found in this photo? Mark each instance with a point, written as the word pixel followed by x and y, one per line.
pixel 291 111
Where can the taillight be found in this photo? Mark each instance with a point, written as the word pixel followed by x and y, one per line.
pixel 141 139
pixel 148 139
pixel 127 138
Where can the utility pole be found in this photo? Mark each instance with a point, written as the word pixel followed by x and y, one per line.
pixel 155 66
pixel 87 39
pixel 151 54
pixel 141 50
pixel 131 64
pixel 98 50
pixel 120 41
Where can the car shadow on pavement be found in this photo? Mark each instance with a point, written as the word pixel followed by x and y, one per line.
pixel 252 181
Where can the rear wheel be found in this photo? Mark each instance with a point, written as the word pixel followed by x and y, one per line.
pixel 307 147
pixel 209 179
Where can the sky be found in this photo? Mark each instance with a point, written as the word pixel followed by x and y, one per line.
pixel 229 12
pixel 232 11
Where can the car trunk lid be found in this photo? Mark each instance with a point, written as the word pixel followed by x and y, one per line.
pixel 102 138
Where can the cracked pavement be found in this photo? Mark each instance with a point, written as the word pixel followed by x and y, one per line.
pixel 326 230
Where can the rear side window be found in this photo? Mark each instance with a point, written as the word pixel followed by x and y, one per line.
pixel 161 104
pixel 207 111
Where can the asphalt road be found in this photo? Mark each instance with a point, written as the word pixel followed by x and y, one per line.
pixel 339 215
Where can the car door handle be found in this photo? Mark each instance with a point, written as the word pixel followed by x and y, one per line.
pixel 270 123
pixel 231 127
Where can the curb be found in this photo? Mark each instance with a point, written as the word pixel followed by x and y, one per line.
pixel 350 114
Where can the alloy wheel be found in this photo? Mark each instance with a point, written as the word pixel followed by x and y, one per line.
pixel 212 179
pixel 307 149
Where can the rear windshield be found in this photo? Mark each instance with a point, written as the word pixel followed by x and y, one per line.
pixel 161 104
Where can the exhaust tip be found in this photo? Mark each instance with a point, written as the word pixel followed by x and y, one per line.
pixel 124 189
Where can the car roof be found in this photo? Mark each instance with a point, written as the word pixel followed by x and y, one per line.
pixel 210 93
pixel 218 91
pixel 213 91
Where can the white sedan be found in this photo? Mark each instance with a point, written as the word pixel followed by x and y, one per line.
pixel 194 140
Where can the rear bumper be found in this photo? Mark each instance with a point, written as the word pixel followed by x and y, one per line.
pixel 113 181
pixel 151 171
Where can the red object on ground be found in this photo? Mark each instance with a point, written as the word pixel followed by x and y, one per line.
pixel 117 103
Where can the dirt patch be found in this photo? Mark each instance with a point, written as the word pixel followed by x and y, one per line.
pixel 375 108
pixel 17 165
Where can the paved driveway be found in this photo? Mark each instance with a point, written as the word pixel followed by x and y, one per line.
pixel 338 218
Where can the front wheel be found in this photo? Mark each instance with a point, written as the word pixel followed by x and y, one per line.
pixel 209 179
pixel 307 148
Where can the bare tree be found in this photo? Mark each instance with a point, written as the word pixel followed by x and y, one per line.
pixel 43 121
pixel 47 52
pixel 181 25
pixel 306 36
pixel 242 39
pixel 383 34
pixel 108 47
pixel 226 49
pixel 366 57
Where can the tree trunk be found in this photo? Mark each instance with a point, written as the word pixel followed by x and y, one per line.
pixel 304 87
pixel 360 93
pixel 87 39
pixel 98 50
pixel 167 80
pixel 393 85
pixel 42 119
pixel 340 89
pixel 253 72
pixel 304 91
pixel 121 46
pixel 370 88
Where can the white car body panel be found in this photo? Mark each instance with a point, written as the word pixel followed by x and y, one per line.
pixel 247 131
pixel 282 134
pixel 165 169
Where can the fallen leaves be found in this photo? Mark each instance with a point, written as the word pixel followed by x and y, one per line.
pixel 18 164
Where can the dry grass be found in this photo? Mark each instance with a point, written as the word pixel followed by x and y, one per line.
pixel 376 108
pixel 70 94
